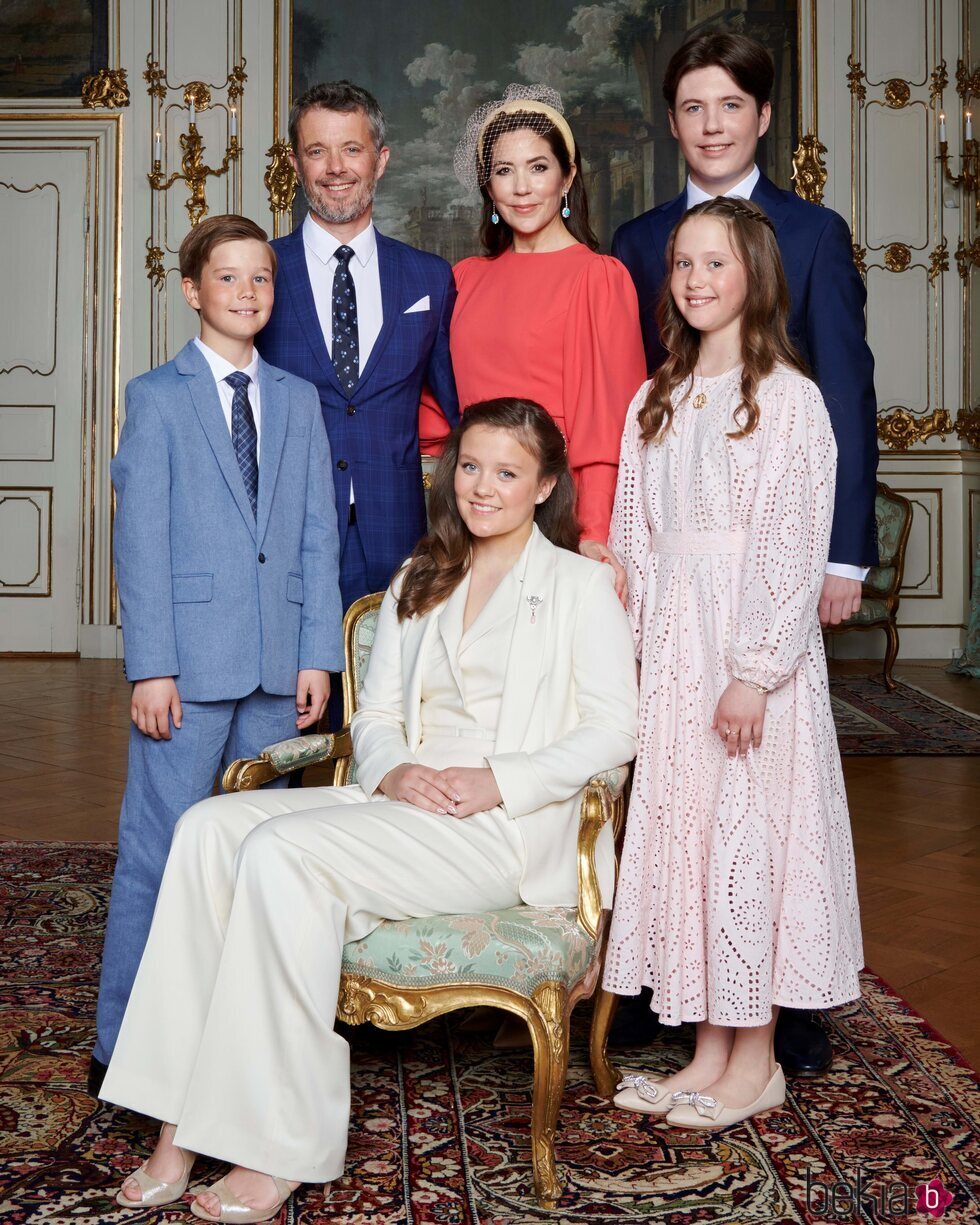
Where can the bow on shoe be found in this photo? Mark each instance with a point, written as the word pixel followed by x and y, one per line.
pixel 706 1106
pixel 643 1087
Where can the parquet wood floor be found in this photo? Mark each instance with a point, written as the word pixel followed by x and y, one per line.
pixel 916 820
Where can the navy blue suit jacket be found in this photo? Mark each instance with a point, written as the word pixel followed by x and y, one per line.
pixel 826 321
pixel 374 434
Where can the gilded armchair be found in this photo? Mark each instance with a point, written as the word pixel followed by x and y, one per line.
pixel 879 595
pixel 535 962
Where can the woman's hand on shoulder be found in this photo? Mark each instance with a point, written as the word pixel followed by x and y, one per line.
pixel 739 717
pixel 472 789
pixel 422 786
pixel 601 552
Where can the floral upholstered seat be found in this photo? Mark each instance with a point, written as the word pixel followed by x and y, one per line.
pixel 537 962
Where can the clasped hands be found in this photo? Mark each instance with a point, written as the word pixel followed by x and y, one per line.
pixel 458 791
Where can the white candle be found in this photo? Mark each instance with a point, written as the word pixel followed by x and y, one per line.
pixel 942 127
pixel 192 113
pixel 969 125
pixel 234 121
pixel 157 145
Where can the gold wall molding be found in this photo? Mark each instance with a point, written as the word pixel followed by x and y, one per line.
pixel 280 178
pixel 900 429
pixel 938 261
pixel 154 264
pixel 897 93
pixel 107 89
pixel 809 171
pixel 856 78
pixel 898 256
pixel 858 254
pixel 939 80
pixel 968 427
pixel 967 256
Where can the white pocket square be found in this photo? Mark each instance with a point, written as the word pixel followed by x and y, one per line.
pixel 421 305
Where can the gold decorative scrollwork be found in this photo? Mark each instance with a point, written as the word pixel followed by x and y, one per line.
pixel 362 1000
pixel 857 254
pixel 154 264
pixel 236 81
pixel 897 93
pixel 938 261
pixel 967 257
pixel 155 78
pixel 968 428
pixel 107 89
pixel 900 429
pixel 967 82
pixel 897 257
pixel 809 172
pixel 198 93
pixel 280 178
pixel 855 78
pixel 939 80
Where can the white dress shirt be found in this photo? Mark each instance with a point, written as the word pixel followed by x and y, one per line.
pixel 743 191
pixel 321 263
pixel 220 368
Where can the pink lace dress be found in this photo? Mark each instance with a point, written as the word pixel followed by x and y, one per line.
pixel 737 888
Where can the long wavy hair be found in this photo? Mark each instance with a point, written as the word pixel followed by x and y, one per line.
pixel 764 338
pixel 441 559
pixel 496 239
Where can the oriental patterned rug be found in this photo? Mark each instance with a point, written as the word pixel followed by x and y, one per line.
pixel 441 1119
pixel 909 722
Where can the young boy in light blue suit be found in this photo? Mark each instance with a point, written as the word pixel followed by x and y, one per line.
pixel 225 549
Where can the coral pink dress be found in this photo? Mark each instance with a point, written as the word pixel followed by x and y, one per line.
pixel 561 328
pixel 737 888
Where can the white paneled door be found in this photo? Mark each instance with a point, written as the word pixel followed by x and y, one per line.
pixel 44 382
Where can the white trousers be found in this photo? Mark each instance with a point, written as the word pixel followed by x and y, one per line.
pixel 229 1029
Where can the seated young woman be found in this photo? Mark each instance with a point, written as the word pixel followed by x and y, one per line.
pixel 502 677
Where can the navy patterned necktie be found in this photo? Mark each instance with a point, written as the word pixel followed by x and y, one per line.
pixel 243 435
pixel 346 354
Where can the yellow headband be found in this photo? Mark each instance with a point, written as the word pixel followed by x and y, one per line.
pixel 556 118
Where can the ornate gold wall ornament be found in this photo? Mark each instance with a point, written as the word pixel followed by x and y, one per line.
pixel 155 78
pixel 897 257
pixel 938 261
pixel 855 78
pixel 154 264
pixel 940 79
pixel 968 428
pixel 967 81
pixel 857 254
pixel 809 172
pixel 898 430
pixel 236 81
pixel 107 89
pixel 967 257
pixel 280 178
pixel 194 172
pixel 897 93
pixel 198 94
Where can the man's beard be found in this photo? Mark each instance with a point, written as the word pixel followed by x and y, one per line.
pixel 339 214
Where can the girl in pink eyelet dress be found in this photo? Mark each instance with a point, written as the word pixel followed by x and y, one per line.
pixel 737 891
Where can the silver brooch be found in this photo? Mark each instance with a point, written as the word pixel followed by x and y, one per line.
pixel 535 601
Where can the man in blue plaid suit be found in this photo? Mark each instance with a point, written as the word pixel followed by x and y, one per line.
pixel 366 320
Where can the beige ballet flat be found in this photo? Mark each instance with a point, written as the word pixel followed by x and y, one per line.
pixel 703 1112
pixel 644 1096
pixel 154 1192
pixel 233 1210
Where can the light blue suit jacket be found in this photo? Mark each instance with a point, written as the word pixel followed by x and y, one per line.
pixel 210 594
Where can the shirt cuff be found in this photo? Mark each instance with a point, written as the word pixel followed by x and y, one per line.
pixel 858 572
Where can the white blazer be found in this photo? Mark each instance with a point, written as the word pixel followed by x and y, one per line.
pixel 568 710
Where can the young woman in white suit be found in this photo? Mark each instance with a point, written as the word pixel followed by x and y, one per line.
pixel 501 679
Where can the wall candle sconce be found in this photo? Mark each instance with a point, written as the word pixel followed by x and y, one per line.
pixel 194 172
pixel 969 178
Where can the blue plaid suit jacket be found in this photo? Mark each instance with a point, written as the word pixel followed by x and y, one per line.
pixel 826 321
pixel 374 434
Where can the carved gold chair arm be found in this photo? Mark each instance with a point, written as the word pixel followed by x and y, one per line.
pixel 248 773
pixel 602 801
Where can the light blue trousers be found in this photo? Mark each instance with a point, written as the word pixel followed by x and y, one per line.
pixel 164 778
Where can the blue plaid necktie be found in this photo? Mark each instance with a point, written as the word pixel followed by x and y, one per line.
pixel 346 355
pixel 243 435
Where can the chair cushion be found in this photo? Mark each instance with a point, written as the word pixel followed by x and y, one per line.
pixel 518 948
pixel 364 632
pixel 870 611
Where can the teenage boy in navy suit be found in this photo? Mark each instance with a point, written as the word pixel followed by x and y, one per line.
pixel 717 87
pixel 226 554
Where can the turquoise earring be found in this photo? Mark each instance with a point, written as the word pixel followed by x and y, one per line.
pixel 494 218
pixel 566 212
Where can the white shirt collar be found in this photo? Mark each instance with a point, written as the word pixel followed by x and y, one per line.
pixel 221 367
pixel 742 190
pixel 324 246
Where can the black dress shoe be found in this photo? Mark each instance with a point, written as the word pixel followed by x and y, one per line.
pixel 802 1045
pixel 634 1023
pixel 96 1075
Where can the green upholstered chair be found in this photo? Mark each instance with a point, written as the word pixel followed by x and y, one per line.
pixel 879 595
pixel 535 962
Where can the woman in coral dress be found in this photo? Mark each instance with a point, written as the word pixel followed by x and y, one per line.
pixel 542 315
pixel 737 890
